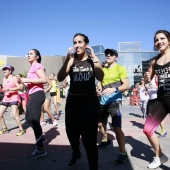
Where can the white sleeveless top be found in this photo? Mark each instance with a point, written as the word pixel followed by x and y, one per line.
pixel 143 97
pixel 152 88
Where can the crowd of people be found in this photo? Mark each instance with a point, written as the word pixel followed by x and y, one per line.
pixel 89 104
pixel 30 96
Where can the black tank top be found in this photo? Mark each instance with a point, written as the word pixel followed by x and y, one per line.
pixel 163 73
pixel 82 77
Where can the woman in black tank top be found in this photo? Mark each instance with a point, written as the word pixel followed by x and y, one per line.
pixel 82 105
pixel 160 65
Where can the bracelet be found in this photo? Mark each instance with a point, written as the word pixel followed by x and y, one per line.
pixel 95 61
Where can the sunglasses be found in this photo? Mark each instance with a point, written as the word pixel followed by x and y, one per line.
pixel 110 55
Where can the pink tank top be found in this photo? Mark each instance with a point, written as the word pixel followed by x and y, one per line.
pixel 10 96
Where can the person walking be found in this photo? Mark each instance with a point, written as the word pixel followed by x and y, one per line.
pixel 58 102
pixel 46 105
pixel 82 104
pixel 35 79
pixel 115 82
pixel 144 97
pixel 53 93
pixel 62 95
pixel 160 66
pixel 10 99
pixel 23 96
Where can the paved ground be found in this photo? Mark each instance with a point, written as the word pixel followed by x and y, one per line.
pixel 14 150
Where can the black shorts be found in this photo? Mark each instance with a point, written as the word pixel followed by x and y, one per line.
pixel 150 105
pixel 112 109
pixel 8 104
pixel 53 94
pixel 62 96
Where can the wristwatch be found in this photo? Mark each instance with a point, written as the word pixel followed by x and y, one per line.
pixel 117 90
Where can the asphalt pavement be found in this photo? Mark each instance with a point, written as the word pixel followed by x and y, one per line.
pixel 14 150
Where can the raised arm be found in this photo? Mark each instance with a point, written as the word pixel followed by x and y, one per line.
pixel 63 72
pixel 97 65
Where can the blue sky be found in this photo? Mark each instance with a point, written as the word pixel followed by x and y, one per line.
pixel 49 25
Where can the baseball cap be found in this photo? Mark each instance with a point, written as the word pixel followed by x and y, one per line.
pixel 111 51
pixel 8 67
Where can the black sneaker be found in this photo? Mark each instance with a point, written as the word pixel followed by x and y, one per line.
pixel 73 161
pixel 38 154
pixel 121 159
pixel 103 144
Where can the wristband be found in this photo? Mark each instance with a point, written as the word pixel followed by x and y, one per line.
pixel 117 90
pixel 95 61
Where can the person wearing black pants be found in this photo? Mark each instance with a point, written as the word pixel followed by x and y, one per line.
pixel 82 104
pixel 33 115
pixel 82 120
pixel 35 79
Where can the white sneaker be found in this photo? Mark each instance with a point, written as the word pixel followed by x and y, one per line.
pixel 163 159
pixel 42 123
pixel 55 123
pixel 155 163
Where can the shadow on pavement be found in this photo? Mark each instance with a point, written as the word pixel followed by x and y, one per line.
pixel 142 151
pixel 51 134
pixel 137 124
pixel 136 115
pixel 15 156
pixel 139 149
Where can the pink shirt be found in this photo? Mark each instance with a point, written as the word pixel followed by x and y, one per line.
pixel 32 88
pixel 10 96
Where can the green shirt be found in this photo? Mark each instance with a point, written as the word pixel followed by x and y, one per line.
pixel 112 78
pixel 114 75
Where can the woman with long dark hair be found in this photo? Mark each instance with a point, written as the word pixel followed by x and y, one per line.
pixel 35 79
pixel 160 65
pixel 82 105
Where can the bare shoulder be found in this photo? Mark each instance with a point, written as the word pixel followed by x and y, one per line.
pixel 15 79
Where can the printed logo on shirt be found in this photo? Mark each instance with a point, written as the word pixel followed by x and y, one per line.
pixel 82 73
pixel 163 76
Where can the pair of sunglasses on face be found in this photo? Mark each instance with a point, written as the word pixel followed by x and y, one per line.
pixel 110 54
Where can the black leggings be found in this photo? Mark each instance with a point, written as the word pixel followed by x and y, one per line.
pixel 33 114
pixel 82 114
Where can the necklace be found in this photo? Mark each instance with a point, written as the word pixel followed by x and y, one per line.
pixel 7 80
